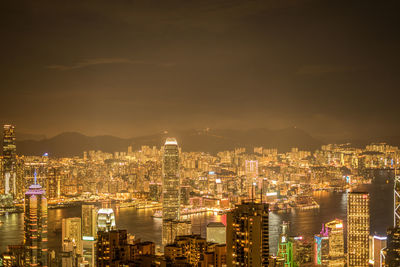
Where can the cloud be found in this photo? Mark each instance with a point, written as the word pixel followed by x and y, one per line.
pixel 324 69
pixel 103 61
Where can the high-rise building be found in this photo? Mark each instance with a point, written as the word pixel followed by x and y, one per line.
pixel 88 222
pixel 9 160
pixel 393 247
pixel 285 247
pixel 171 192
pixel 171 180
pixel 72 232
pixel 334 230
pixel 247 235
pixel 376 245
pixel 396 207
pixel 106 219
pixel 358 221
pixel 112 247
pixel 89 233
pixel 35 226
pixel 53 183
pixel 216 232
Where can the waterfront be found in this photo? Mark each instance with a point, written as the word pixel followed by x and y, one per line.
pixel 306 222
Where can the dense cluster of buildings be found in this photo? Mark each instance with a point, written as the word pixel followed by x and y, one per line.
pixel 244 186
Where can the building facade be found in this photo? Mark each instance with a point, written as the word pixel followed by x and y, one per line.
pixel 247 235
pixel 358 227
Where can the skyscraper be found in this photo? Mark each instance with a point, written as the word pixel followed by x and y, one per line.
pixel 171 182
pixel 35 226
pixel 335 234
pixel 89 233
pixel 9 160
pixel 171 186
pixel 106 219
pixel 358 229
pixel 72 231
pixel 247 235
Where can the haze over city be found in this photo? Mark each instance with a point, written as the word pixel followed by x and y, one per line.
pixel 130 68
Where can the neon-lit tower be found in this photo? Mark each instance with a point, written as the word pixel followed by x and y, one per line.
pixel 285 247
pixel 35 226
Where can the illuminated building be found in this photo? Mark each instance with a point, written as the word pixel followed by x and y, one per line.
pixel 9 160
pixel 393 247
pixel 106 219
pixel 216 232
pixel 191 247
pixel 358 229
pixel 14 256
pixel 396 207
pixel 335 234
pixel 285 248
pixel 155 191
pixel 171 229
pixel 377 243
pixel 171 186
pixel 53 183
pixel 112 247
pixel 302 250
pixel 35 226
pixel 215 255
pixel 89 233
pixel 247 235
pixel 321 249
pixel 72 231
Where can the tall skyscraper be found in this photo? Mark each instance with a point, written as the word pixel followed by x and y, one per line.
pixel 171 186
pixel 72 232
pixel 247 235
pixel 35 226
pixel 358 221
pixel 334 230
pixel 9 160
pixel 89 233
pixel 171 181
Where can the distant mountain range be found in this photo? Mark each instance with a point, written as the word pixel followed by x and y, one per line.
pixel 209 140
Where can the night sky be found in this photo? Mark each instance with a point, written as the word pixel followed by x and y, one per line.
pixel 130 68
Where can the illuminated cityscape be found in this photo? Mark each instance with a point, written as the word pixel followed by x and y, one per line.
pixel 200 133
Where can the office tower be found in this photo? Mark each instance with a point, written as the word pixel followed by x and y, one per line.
pixel 247 235
pixel 216 232
pixel 171 182
pixel 35 226
pixel 396 200
pixel 72 232
pixel 321 249
pixel 9 160
pixel 302 251
pixel 334 230
pixel 53 183
pixel 393 247
pixel 357 229
pixel 106 220
pixel 112 247
pixel 376 244
pixel 89 233
pixel 285 247
pixel 14 256
pixel 171 186
pixel 88 221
